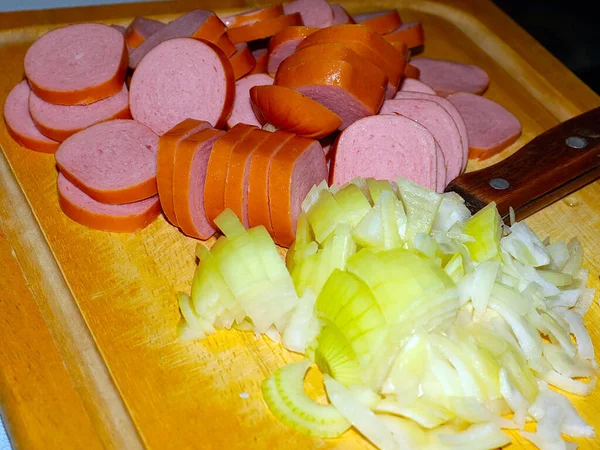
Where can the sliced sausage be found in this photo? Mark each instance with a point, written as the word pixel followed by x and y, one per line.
pixel 440 123
pixel 253 16
pixel 159 96
pixel 236 188
pixel 218 165
pixel 411 71
pixel 448 106
pixel 263 29
pixel 167 146
pixel 112 162
pixel 77 64
pixel 336 77
pixel 120 28
pixel 284 43
pixel 412 85
pixel 490 127
pixel 58 122
pixel 410 33
pixel 19 123
pixel 199 24
pixel 366 43
pixel 295 169
pixel 83 209
pixel 261 57
pixel 258 179
pixel 288 110
pixel 446 77
pixel 381 21
pixel 242 61
pixel 140 29
pixel 315 13
pixel 385 148
pixel 189 177
pixel 340 15
pixel 242 111
pixel 225 44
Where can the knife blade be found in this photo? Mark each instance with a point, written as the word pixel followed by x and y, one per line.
pixel 551 166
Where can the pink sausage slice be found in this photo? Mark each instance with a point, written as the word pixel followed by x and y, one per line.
pixel 112 162
pixel 340 15
pixel 440 123
pixel 412 85
pixel 386 147
pixel 446 77
pixel 242 108
pixel 58 122
pixel 182 79
pixel 191 24
pixel 448 106
pixel 77 64
pixel 315 13
pixel 83 209
pixel 141 29
pixel 19 124
pixel 491 128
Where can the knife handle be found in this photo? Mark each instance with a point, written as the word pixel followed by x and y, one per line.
pixel 554 164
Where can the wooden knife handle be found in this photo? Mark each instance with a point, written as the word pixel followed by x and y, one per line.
pixel 552 165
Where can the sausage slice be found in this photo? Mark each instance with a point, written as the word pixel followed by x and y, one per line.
pixel 19 123
pixel 112 162
pixel 77 64
pixel 490 127
pixel 295 169
pixel 340 15
pixel 167 146
pixel 242 61
pixel 284 43
pixel 83 209
pixel 225 44
pixel 410 33
pixel 263 29
pixel 412 85
pixel 254 15
pixel 258 179
pixel 189 177
pixel 242 111
pixel 199 24
pixel 160 97
pixel 315 13
pixel 261 56
pixel 446 77
pixel 411 71
pixel 140 29
pixel 386 147
pixel 381 21
pixel 288 110
pixel 58 122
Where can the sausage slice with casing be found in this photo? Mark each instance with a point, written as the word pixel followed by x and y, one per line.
pixel 160 92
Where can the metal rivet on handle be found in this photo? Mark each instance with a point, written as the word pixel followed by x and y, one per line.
pixel 499 183
pixel 576 142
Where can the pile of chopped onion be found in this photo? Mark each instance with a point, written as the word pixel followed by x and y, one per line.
pixel 435 329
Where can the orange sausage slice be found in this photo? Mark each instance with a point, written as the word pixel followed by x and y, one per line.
pixel 218 164
pixel 366 43
pixel 262 60
pixel 242 61
pixel 295 168
pixel 225 44
pixel 410 33
pixel 263 29
pixel 167 146
pixel 411 71
pixel 284 43
pixel 236 188
pixel 380 21
pixel 289 110
pixel 189 176
pixel 139 29
pixel 254 15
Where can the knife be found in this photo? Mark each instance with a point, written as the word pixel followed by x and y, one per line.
pixel 551 166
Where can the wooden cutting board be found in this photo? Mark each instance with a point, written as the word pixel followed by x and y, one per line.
pixel 89 355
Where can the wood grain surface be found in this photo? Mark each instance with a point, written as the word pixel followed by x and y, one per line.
pixel 108 299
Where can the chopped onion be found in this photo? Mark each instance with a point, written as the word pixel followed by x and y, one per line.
pixel 480 436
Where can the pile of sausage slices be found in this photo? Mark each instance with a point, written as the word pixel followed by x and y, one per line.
pixel 245 112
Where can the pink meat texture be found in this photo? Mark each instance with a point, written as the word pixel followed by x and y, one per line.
pixel 340 15
pixel 110 157
pixel 446 77
pixel 161 97
pixel 146 27
pixel 60 121
pixel 281 52
pixel 20 124
pixel 242 108
pixel 490 127
pixel 412 85
pixel 315 13
pixel 386 147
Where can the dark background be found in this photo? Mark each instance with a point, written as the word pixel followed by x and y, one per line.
pixel 569 29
